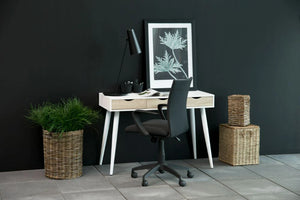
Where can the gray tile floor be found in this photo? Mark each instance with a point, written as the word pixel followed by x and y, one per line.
pixel 276 177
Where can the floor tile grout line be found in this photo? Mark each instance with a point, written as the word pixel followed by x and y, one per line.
pixel 62 194
pixel 50 180
pixel 168 184
pixel 28 181
pixel 116 188
pixel 165 183
pixel 274 159
pixel 65 193
pixel 147 186
pixel 218 181
pixel 98 170
pixel 272 181
pixel 171 187
pixel 83 191
pixel 284 163
pixel 112 184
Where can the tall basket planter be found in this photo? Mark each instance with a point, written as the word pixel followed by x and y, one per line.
pixel 63 154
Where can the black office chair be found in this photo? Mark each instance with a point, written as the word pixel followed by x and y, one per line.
pixel 175 124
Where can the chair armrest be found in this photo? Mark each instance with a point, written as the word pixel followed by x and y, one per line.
pixel 159 108
pixel 138 122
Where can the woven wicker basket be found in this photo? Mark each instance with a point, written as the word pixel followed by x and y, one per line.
pixel 239 110
pixel 63 155
pixel 239 145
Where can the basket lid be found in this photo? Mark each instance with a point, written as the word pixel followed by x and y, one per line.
pixel 239 96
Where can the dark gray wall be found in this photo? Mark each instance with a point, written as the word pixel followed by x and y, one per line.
pixel 55 49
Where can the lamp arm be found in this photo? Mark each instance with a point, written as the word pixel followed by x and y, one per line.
pixel 122 61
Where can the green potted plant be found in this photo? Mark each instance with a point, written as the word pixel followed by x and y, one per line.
pixel 63 125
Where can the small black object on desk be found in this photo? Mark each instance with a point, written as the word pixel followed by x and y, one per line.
pixel 126 87
pixel 137 86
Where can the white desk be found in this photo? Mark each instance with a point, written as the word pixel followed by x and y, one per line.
pixel 116 104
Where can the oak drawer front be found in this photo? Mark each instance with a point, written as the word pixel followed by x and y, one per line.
pixel 152 103
pixel 128 104
pixel 199 102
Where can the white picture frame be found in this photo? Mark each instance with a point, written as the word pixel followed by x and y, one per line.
pixel 169 52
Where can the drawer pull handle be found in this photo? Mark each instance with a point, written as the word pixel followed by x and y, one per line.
pixel 196 97
pixel 128 99
pixel 163 99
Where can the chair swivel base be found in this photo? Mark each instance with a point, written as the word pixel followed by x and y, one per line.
pixel 161 167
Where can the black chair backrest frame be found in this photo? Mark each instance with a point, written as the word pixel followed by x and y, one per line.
pixel 176 113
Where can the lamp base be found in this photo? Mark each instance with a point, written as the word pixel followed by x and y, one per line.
pixel 113 94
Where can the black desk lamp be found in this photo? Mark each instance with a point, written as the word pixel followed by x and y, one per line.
pixel 134 48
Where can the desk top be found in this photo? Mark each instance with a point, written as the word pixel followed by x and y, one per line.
pixel 196 93
pixel 133 101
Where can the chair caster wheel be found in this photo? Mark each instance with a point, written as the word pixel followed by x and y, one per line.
pixel 182 183
pixel 134 174
pixel 190 174
pixel 161 171
pixel 145 183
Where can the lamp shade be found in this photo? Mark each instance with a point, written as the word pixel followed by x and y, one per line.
pixel 134 46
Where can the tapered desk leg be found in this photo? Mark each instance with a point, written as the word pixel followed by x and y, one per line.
pixel 206 136
pixel 104 137
pixel 193 131
pixel 114 142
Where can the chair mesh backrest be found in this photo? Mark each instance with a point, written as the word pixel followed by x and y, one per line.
pixel 177 114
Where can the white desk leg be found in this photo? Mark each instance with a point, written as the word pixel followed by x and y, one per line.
pixel 104 137
pixel 114 142
pixel 193 131
pixel 206 136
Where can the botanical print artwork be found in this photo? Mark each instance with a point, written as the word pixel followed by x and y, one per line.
pixel 172 62
pixel 168 62
pixel 169 52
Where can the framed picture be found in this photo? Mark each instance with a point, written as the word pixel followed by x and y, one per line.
pixel 169 52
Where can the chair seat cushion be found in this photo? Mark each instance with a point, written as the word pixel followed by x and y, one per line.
pixel 155 127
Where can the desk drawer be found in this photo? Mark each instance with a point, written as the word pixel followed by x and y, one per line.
pixel 152 103
pixel 191 102
pixel 200 102
pixel 128 104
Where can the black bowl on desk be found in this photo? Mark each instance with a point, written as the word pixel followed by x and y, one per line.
pixel 138 88
pixel 126 88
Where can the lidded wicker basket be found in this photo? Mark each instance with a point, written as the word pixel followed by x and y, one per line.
pixel 63 154
pixel 239 145
pixel 239 110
